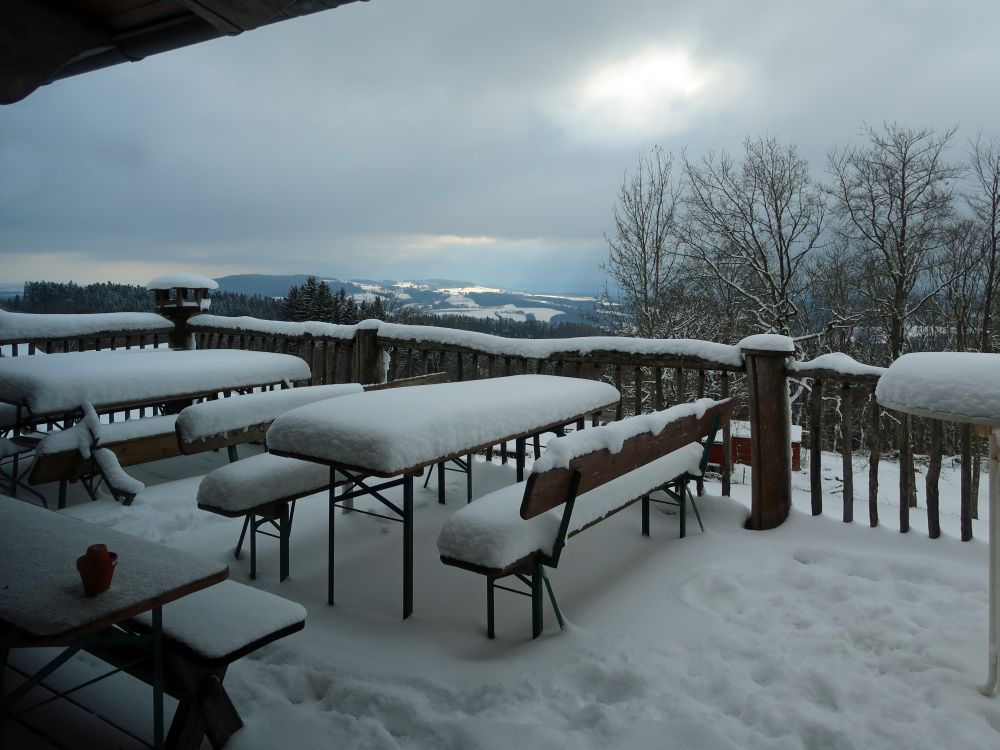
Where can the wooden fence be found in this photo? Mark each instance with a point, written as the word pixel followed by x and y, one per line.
pixel 650 374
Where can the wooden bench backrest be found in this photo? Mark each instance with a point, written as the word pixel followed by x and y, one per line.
pixel 551 489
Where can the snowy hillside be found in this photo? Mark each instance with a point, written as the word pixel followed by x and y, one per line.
pixel 435 296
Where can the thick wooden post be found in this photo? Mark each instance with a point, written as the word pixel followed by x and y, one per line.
pixel 770 429
pixel 367 356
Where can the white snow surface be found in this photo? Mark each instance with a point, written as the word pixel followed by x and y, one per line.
pixel 837 362
pixel 240 412
pixel 61 382
pixel 740 428
pixel 400 428
pixel 221 619
pixel 814 635
pixel 183 279
pixel 274 327
pixel 260 479
pixel 955 386
pixel 535 348
pixel 490 531
pixel 768 342
pixel 560 452
pixel 81 437
pixel 115 474
pixel 30 326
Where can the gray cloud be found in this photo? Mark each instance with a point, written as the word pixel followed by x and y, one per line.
pixel 329 143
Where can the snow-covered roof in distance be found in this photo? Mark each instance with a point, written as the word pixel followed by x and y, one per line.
pixel 768 342
pixel 954 386
pixel 32 326
pixel 837 362
pixel 183 280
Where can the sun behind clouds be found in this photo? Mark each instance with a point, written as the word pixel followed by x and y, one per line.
pixel 654 92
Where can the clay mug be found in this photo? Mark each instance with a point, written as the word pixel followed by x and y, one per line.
pixel 96 568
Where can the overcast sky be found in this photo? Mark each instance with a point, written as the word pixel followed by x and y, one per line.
pixel 482 141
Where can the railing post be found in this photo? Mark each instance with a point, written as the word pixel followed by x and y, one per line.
pixel 367 364
pixel 770 428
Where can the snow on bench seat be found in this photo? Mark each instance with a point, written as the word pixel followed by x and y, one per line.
pixel 390 431
pixel 490 533
pixel 581 479
pixel 224 622
pixel 209 419
pixel 241 486
pixel 59 383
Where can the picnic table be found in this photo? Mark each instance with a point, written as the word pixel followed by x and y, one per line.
pixel 54 385
pixel 958 387
pixel 43 602
pixel 395 434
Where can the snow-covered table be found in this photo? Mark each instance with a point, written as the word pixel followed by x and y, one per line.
pixel 399 432
pixel 958 387
pixel 43 603
pixel 54 384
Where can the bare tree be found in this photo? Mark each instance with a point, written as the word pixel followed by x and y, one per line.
pixel 752 225
pixel 894 199
pixel 984 200
pixel 648 298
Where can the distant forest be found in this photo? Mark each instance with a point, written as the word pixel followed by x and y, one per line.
pixel 312 300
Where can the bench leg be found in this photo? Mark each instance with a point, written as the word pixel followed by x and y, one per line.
pixel 204 708
pixel 536 603
pixel 682 503
pixel 284 530
pixel 468 480
pixel 694 507
pixel 552 598
pixel 253 547
pixel 490 608
pixel 243 533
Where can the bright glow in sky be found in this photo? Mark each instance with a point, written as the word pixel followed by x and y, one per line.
pixel 655 92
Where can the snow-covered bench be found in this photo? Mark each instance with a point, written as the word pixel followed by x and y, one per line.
pixel 204 633
pixel 263 488
pixel 580 480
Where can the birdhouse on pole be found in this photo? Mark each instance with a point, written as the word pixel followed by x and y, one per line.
pixel 179 296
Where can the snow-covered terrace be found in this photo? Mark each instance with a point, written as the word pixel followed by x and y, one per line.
pixel 815 634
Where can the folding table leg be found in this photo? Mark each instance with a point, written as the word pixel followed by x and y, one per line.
pixel 407 546
pixel 329 561
pixel 157 643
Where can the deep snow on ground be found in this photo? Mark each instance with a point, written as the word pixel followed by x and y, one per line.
pixel 817 634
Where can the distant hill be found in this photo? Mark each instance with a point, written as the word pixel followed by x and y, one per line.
pixel 434 296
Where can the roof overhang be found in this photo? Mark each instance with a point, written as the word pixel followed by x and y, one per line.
pixel 44 40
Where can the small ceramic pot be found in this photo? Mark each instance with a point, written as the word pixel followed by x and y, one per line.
pixel 96 568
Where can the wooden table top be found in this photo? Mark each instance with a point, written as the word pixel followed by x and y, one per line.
pixel 42 601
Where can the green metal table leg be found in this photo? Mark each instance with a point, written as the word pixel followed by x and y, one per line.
pixel 407 546
pixel 157 644
pixel 329 561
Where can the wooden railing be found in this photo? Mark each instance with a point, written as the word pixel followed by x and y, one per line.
pixel 650 374
pixel 23 333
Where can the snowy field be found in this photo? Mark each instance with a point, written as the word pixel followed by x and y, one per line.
pixel 814 635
